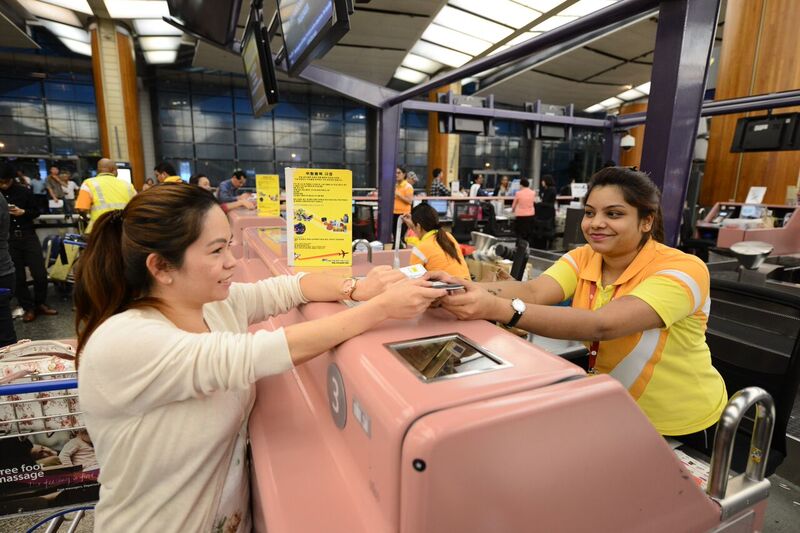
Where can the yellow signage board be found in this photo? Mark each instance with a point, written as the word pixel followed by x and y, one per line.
pixel 268 192
pixel 319 207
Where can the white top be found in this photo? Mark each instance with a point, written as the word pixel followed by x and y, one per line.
pixel 70 189
pixel 78 452
pixel 474 188
pixel 164 407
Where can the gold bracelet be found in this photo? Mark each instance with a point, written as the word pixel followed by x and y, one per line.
pixel 348 288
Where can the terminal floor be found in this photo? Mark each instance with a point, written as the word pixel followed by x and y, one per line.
pixel 783 510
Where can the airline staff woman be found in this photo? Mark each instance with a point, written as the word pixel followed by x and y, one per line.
pixel 640 306
pixel 435 249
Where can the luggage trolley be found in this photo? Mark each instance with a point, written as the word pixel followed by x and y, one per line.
pixel 61 255
pixel 38 413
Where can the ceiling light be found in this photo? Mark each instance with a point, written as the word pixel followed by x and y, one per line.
pixel 423 64
pixel 585 7
pixel 411 76
pixel 611 102
pixel 160 43
pixel 631 94
pixel 81 6
pixel 161 57
pixel 553 23
pixel 644 88
pixel 443 55
pixel 136 9
pixel 51 12
pixel 66 31
pixel 503 11
pixel 541 5
pixel 596 108
pixel 155 27
pixel 455 39
pixel 470 24
pixel 77 46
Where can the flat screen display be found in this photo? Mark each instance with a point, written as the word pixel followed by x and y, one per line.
pixel 259 68
pixel 125 175
pixel 310 28
pixel 214 21
pixel 439 205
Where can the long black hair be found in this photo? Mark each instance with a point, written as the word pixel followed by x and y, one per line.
pixel 638 190
pixel 112 276
pixel 426 216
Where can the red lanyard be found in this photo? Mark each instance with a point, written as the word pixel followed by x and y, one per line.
pixel 594 347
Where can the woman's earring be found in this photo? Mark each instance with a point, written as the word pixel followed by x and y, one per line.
pixel 169 281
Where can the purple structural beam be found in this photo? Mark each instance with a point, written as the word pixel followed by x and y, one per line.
pixel 684 40
pixel 388 133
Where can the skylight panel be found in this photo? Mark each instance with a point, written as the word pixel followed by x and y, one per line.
pixel 161 57
pixel 67 31
pixel 441 54
pixel 631 94
pixel 553 23
pixel 471 24
pixel 411 76
pixel 586 7
pixel 596 108
pixel 423 64
pixel 611 102
pixel 136 9
pixel 503 11
pixel 522 38
pixel 540 5
pixel 155 27
pixel 645 88
pixel 455 39
pixel 81 6
pixel 77 46
pixel 51 12
pixel 160 43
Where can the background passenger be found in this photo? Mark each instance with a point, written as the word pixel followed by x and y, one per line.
pixel 165 173
pixel 641 307
pixel 523 208
pixel 403 198
pixel 227 190
pixel 438 185
pixel 165 355
pixel 103 193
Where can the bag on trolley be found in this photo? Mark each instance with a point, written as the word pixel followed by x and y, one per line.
pixel 43 412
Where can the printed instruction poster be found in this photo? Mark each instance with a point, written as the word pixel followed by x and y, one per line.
pixel 319 205
pixel 268 193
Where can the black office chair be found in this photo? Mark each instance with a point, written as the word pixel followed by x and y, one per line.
pixel 465 218
pixel 754 336
pixel 363 222
pixel 488 222
pixel 544 226
pixel 689 243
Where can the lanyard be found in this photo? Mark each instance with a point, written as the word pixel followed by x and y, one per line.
pixel 594 347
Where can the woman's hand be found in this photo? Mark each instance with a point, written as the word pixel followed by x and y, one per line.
pixel 407 221
pixel 474 302
pixel 377 281
pixel 407 299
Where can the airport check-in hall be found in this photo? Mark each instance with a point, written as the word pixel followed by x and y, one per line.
pixel 399 266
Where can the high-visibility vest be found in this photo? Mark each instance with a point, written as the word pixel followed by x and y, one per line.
pixel 108 193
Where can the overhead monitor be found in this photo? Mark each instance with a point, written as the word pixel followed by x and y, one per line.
pixel 767 133
pixel 125 175
pixel 259 67
pixel 310 28
pixel 212 21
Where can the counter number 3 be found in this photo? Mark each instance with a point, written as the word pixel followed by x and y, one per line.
pixel 337 397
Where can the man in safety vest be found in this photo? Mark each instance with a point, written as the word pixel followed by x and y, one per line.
pixel 103 193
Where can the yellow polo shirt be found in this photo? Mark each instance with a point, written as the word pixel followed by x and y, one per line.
pixel 668 371
pixel 434 258
pixel 407 190
pixel 173 179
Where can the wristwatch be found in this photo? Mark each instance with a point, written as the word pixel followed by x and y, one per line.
pixel 348 287
pixel 519 308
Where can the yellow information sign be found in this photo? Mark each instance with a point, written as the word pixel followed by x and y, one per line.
pixel 268 192
pixel 319 205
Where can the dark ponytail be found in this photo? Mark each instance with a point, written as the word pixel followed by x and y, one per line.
pixel 111 275
pixel 426 216
pixel 638 190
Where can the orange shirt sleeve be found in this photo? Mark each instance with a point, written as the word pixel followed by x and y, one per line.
pixel 84 202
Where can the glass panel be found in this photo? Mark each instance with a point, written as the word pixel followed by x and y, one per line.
pixel 213 135
pixel 217 104
pixel 21 108
pixel 176 117
pixel 22 126
pixel 177 134
pixel 216 170
pixel 354 128
pixel 214 151
pixel 326 156
pixel 355 143
pixel 327 127
pixel 25 144
pixel 291 126
pixel 212 120
pixel 285 155
pixel 289 110
pixel 249 122
pixel 172 150
pixel 255 153
pixel 330 142
pixel 355 156
pixel 257 138
pixel 291 139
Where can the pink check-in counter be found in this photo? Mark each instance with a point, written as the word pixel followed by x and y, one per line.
pixel 241 218
pixel 732 222
pixel 434 425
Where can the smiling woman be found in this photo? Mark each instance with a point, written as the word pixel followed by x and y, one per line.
pixel 167 365
pixel 640 307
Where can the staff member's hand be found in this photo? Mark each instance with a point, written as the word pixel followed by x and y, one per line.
pixel 407 299
pixel 474 302
pixel 377 281
pixel 15 211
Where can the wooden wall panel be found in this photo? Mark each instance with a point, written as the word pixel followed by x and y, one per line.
pixel 130 97
pixel 97 77
pixel 759 54
pixel 633 157
pixel 438 152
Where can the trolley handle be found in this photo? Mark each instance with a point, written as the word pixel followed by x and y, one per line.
pixel 38 386
pixel 750 487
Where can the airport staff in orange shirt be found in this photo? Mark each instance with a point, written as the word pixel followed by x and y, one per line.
pixel 403 198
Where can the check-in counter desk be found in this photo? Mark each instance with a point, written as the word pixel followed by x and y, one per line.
pixel 729 222
pixel 241 218
pixel 435 425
